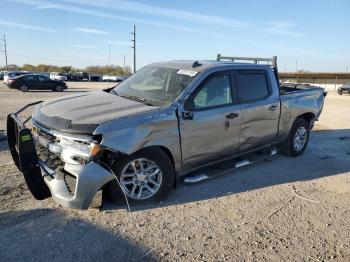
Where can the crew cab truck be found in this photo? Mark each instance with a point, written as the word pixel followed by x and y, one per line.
pixel 166 121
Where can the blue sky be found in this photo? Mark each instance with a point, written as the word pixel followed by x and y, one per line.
pixel 78 32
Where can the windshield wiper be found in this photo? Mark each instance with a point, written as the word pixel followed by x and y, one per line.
pixel 137 99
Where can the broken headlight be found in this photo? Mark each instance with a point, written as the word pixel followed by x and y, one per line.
pixel 77 152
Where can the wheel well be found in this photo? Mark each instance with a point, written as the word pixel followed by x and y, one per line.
pixel 308 117
pixel 170 155
pixel 111 156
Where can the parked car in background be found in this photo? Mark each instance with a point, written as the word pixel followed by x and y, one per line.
pixel 28 82
pixel 2 75
pixel 95 77
pixel 344 89
pixel 58 76
pixel 13 74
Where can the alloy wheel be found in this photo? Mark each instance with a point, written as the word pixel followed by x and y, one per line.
pixel 141 178
pixel 300 138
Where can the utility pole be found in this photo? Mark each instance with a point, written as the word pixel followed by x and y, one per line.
pixel 133 40
pixel 109 54
pixel 346 68
pixel 296 66
pixel 124 65
pixel 5 51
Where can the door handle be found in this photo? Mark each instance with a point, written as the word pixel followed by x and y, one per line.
pixel 187 115
pixel 232 116
pixel 273 108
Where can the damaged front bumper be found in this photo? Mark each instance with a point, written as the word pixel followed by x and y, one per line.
pixel 78 186
pixel 71 184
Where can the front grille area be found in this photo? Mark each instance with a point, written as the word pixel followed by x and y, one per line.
pixel 54 161
pixel 51 160
pixel 47 136
pixel 71 182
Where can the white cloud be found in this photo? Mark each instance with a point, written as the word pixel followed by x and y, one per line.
pixel 101 14
pixel 282 28
pixel 135 7
pixel 84 46
pixel 27 26
pixel 277 28
pixel 43 7
pixel 91 31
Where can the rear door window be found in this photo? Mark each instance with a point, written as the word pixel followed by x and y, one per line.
pixel 252 85
pixel 42 78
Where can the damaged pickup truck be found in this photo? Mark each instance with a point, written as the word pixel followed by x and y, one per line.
pixel 166 121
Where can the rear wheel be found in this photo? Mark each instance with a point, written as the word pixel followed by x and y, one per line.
pixel 297 139
pixel 145 177
pixel 24 88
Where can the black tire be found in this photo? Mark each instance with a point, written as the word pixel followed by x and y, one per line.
pixel 340 93
pixel 24 88
pixel 58 88
pixel 164 163
pixel 287 147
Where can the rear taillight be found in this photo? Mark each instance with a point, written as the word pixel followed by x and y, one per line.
pixel 10 81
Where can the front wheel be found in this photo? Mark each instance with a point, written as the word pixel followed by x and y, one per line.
pixel 297 139
pixel 145 177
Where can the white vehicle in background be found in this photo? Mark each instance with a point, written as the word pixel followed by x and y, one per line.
pixel 108 78
pixel 58 76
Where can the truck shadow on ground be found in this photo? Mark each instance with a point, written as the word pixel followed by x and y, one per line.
pixel 328 154
pixel 51 235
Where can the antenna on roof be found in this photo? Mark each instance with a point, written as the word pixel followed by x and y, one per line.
pixel 196 64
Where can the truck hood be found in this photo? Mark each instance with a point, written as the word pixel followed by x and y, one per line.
pixel 81 114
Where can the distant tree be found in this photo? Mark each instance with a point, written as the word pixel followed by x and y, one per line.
pixel 27 67
pixel 42 68
pixel 301 71
pixel 65 69
pixel 13 67
pixel 103 70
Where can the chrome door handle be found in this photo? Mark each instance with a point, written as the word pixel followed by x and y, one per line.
pixel 273 108
pixel 187 115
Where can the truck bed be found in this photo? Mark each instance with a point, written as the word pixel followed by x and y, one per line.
pixel 299 101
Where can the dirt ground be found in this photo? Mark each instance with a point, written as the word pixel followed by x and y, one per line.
pixel 281 209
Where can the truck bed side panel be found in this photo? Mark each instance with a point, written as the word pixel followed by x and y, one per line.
pixel 297 103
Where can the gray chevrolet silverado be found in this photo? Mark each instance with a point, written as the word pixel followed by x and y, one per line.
pixel 166 121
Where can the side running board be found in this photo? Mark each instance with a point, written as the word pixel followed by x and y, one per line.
pixel 211 172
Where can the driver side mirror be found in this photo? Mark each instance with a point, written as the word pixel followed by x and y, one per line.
pixel 189 105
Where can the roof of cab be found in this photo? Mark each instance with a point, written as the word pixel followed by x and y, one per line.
pixel 204 64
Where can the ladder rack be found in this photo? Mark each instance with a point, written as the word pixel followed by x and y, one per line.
pixel 256 60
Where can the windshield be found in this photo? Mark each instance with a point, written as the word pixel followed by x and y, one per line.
pixel 155 85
